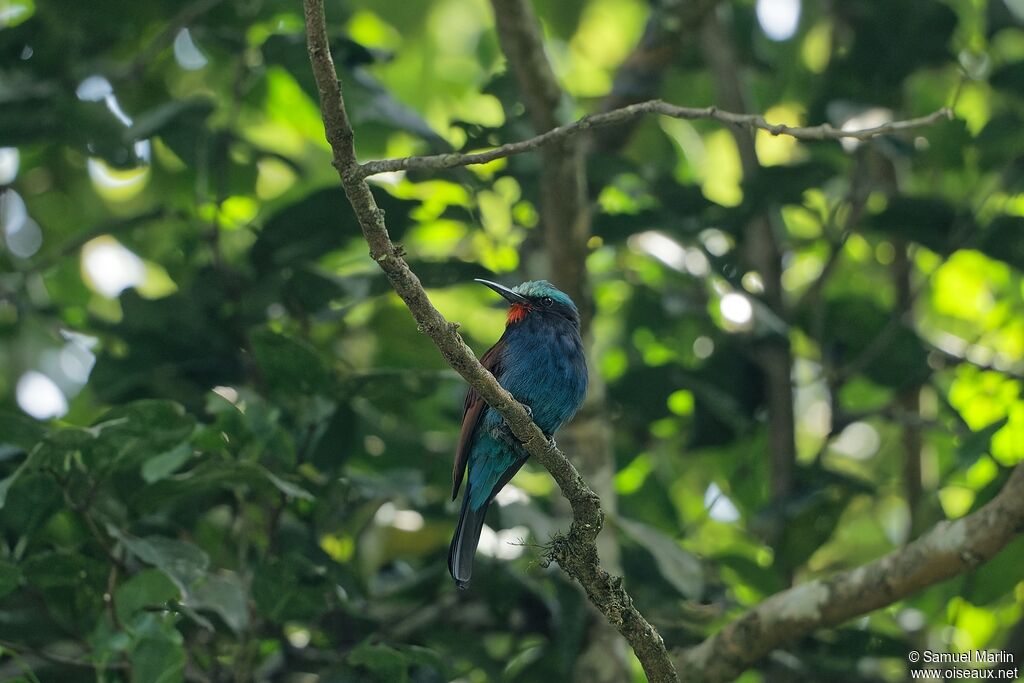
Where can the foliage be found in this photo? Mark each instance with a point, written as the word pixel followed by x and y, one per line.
pixel 250 477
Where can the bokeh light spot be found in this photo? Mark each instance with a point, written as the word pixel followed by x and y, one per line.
pixel 40 397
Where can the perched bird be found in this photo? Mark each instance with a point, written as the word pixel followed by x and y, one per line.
pixel 539 360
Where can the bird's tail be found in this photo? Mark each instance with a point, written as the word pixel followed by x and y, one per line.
pixel 467 536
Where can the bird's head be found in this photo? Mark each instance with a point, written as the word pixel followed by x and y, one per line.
pixel 537 297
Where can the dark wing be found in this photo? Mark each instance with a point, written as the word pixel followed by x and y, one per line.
pixel 473 413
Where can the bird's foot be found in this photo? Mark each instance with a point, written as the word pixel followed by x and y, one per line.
pixel 503 432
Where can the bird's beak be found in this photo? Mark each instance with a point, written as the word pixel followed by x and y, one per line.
pixel 509 295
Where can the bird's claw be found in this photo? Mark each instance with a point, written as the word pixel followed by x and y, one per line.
pixel 503 432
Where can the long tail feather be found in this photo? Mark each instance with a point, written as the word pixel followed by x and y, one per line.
pixel 467 536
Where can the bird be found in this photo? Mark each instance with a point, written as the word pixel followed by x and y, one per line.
pixel 539 359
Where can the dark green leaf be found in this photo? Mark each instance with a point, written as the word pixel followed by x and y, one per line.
pixel 182 562
pixel 1009 77
pixel 386 664
pixel 778 185
pixel 928 221
pixel 975 444
pixel 679 567
pixel 1004 240
pixel 165 464
pixel 149 589
pixel 158 660
pixel 10 577
pixel 858 333
pixel 224 595
pixel 19 430
pixel 288 590
pixel 289 365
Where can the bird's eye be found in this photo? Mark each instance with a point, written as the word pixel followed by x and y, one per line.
pixel 547 301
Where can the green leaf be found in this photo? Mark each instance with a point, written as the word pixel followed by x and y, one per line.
pixel 975 444
pixel 808 520
pixel 182 562
pixel 766 580
pixel 224 595
pixel 998 140
pixel 289 365
pixel 285 486
pixel 10 577
pixel 317 224
pixel 285 590
pixel 777 185
pixel 19 430
pixel 858 331
pixel 158 660
pixel 161 466
pixel 54 569
pixel 28 501
pixel 1003 239
pixel 129 434
pixel 150 588
pixel 1009 77
pixel 926 220
pixel 387 664
pixel 11 479
pixel 997 578
pixel 680 567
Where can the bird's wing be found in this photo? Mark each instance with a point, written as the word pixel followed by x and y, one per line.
pixel 473 413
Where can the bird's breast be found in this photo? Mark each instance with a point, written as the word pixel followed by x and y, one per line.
pixel 545 368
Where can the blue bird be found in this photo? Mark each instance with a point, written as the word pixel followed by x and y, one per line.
pixel 539 360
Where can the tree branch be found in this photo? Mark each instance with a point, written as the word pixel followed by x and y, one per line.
pixel 575 552
pixel 948 549
pixel 751 122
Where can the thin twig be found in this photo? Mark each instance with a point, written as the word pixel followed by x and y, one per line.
pixel 576 551
pixel 824 131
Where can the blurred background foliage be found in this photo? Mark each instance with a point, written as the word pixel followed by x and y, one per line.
pixel 225 450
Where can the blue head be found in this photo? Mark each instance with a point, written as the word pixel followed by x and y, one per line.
pixel 537 298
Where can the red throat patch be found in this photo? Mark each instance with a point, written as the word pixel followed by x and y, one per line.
pixel 517 312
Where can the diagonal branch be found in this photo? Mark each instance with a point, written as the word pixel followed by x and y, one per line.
pixel 949 549
pixel 824 131
pixel 575 552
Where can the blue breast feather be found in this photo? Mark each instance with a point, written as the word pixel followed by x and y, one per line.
pixel 543 366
